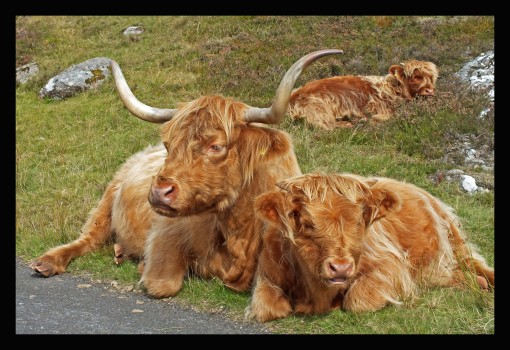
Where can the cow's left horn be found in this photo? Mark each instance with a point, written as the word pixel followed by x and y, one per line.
pixel 137 108
pixel 275 113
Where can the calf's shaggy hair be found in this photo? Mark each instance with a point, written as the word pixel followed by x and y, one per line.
pixel 345 241
pixel 343 101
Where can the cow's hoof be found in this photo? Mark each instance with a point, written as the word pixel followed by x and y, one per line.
pixel 241 285
pixel 233 275
pixel 161 288
pixel 265 314
pixel 119 254
pixel 43 268
pixel 482 281
pixel 141 266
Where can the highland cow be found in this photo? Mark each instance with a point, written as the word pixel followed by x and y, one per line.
pixel 341 241
pixel 187 205
pixel 343 101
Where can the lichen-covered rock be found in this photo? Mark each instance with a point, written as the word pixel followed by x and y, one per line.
pixel 76 79
pixel 133 30
pixel 26 72
pixel 479 73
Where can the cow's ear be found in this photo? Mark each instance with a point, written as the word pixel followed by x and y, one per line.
pixel 397 71
pixel 264 143
pixel 379 203
pixel 291 186
pixel 268 207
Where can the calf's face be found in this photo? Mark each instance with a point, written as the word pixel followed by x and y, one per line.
pixel 326 217
pixel 418 77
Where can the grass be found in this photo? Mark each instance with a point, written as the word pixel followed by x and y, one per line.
pixel 67 151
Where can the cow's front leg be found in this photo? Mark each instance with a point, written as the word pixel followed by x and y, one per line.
pixel 368 294
pixel 244 254
pixel 268 302
pixel 271 292
pixel 164 265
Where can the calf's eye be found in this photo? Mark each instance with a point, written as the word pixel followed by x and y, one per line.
pixel 215 148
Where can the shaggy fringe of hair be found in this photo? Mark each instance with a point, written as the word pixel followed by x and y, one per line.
pixel 225 110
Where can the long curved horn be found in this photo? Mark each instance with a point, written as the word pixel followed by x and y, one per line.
pixel 275 113
pixel 137 108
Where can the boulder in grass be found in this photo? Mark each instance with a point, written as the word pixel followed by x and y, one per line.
pixel 133 30
pixel 76 79
pixel 26 72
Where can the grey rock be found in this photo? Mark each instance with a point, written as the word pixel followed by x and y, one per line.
pixel 133 30
pixel 454 172
pixel 483 167
pixel 76 79
pixel 479 73
pixel 26 72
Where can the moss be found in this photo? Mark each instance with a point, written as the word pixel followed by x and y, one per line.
pixel 97 75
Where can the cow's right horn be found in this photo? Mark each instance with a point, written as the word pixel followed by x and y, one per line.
pixel 137 108
pixel 275 113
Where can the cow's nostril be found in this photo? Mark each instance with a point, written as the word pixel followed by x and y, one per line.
pixel 169 190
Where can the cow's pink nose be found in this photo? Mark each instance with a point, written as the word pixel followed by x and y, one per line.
pixel 339 270
pixel 429 92
pixel 163 193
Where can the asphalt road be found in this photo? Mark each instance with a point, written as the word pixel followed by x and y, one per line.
pixel 67 304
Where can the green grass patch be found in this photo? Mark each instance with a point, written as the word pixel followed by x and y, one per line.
pixel 67 151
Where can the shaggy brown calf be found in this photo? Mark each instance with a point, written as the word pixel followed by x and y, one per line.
pixel 342 101
pixel 201 183
pixel 344 241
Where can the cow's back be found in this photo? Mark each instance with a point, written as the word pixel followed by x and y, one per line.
pixel 421 226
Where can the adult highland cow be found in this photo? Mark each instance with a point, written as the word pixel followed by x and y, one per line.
pixel 345 241
pixel 345 100
pixel 187 205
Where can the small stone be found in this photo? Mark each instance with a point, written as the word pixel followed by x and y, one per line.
pixel 86 285
pixel 26 72
pixel 127 288
pixel 137 311
pixel 133 30
pixel 453 172
pixel 468 183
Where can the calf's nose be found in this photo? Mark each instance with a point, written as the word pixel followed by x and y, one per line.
pixel 339 269
pixel 429 92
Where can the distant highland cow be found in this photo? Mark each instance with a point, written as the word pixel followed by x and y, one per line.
pixel 343 101
pixel 345 241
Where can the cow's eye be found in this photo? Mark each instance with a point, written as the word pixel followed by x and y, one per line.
pixel 294 214
pixel 215 148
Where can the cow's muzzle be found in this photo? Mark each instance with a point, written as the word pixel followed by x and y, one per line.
pixel 427 92
pixel 338 271
pixel 162 196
